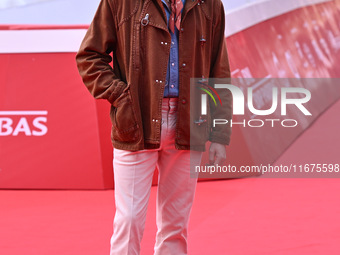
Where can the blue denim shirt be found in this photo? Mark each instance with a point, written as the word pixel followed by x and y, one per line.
pixel 172 75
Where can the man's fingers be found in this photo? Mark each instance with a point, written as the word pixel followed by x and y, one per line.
pixel 217 154
pixel 220 158
pixel 212 153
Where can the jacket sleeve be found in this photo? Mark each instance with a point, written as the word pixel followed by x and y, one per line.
pixel 93 58
pixel 220 69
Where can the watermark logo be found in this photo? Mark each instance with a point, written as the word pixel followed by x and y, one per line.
pixel 209 90
pixel 277 100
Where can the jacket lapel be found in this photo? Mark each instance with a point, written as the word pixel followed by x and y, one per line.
pixel 189 4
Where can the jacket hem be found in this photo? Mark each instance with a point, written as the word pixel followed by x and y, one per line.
pixel 149 146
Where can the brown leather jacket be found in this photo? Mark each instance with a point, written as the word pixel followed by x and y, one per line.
pixel 136 32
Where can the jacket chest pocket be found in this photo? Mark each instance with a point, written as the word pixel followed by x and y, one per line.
pixel 136 54
pixel 141 20
pixel 148 31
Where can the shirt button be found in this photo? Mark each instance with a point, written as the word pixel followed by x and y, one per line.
pixel 184 101
pixel 172 86
pixel 173 64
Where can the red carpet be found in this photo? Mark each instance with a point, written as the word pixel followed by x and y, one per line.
pixel 256 216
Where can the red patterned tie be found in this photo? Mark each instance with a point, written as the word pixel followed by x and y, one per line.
pixel 175 17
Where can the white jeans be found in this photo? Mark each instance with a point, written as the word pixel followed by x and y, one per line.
pixel 133 172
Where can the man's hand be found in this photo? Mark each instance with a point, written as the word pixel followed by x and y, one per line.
pixel 217 154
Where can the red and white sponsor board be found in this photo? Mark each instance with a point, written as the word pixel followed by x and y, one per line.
pixel 54 135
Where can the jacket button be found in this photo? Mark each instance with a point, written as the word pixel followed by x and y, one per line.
pixel 182 29
pixel 184 64
pixel 184 101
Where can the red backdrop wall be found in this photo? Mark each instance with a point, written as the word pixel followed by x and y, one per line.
pixel 54 135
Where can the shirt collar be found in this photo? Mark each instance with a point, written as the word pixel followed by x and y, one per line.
pixel 167 3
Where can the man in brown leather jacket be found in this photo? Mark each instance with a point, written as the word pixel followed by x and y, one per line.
pixel 157 47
